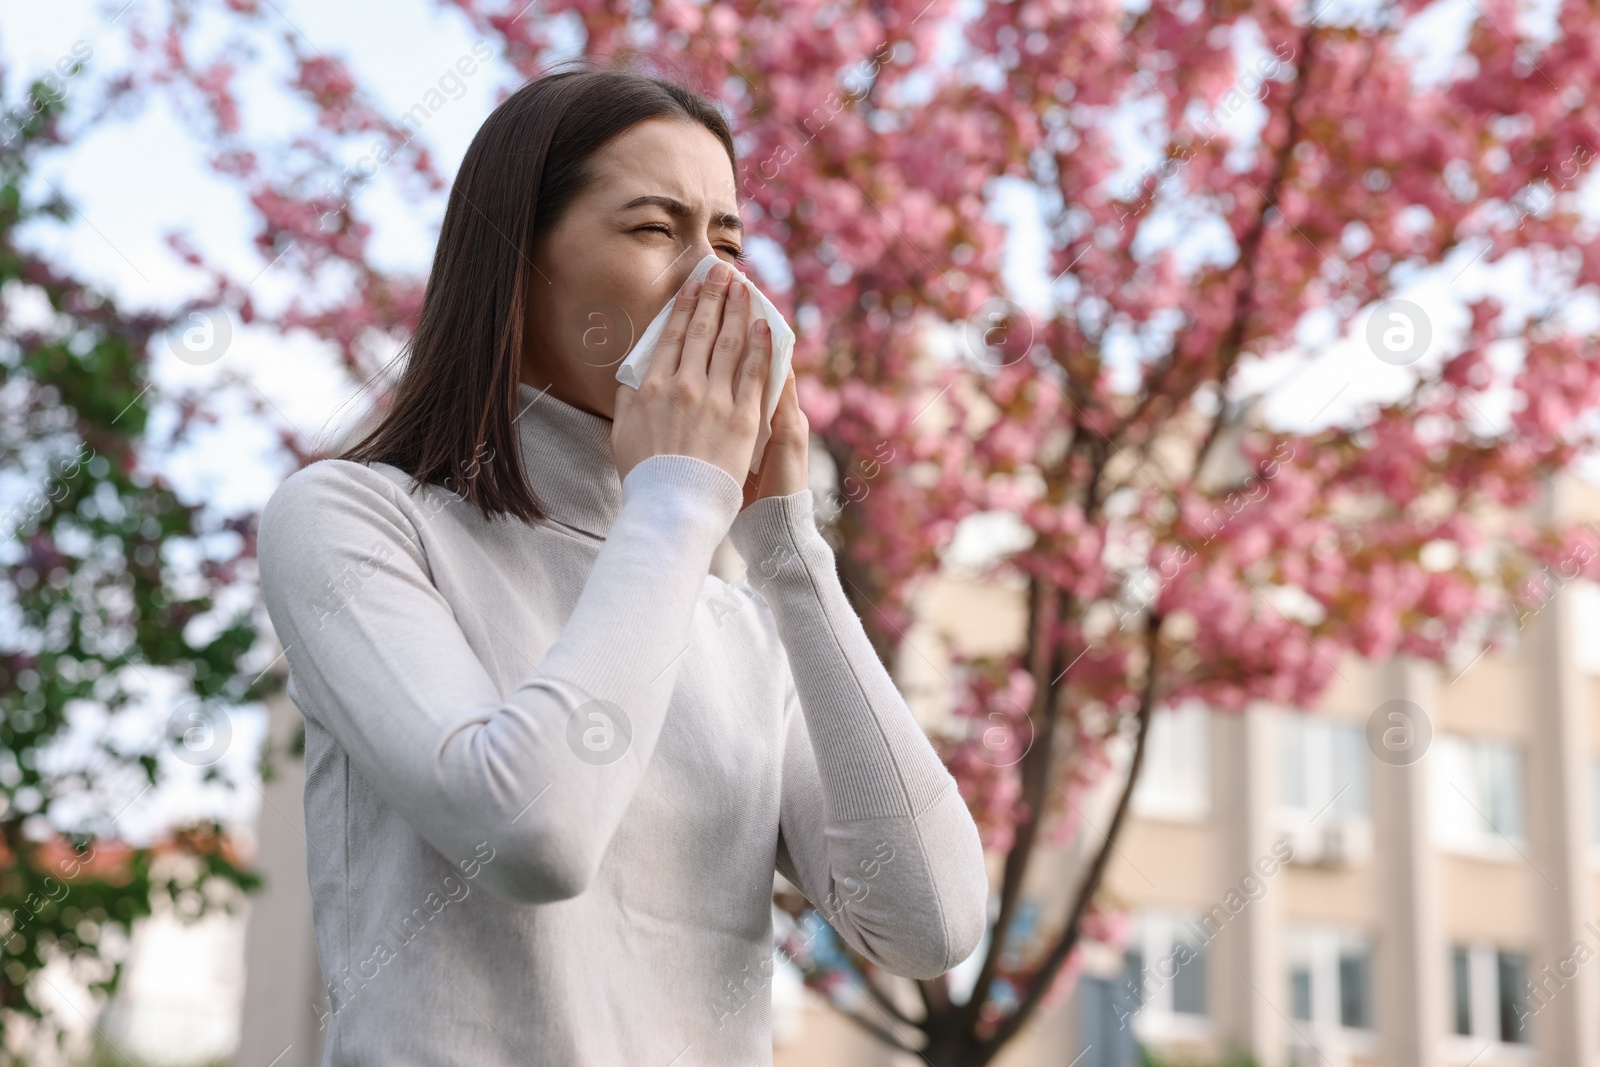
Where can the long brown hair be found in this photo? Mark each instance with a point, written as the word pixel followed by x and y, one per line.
pixel 451 420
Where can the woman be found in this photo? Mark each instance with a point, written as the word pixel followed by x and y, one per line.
pixel 552 762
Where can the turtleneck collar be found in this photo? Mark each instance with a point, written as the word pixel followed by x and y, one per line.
pixel 566 454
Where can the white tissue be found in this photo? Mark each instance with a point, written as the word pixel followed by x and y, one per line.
pixel 631 373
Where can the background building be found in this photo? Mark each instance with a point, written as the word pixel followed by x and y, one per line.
pixel 1440 905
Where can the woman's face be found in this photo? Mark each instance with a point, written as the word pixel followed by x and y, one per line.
pixel 661 200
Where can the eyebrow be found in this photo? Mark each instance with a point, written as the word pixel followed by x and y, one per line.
pixel 683 211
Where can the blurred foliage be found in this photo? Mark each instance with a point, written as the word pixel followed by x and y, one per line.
pixel 98 603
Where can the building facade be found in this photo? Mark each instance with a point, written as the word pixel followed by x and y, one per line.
pixel 1406 874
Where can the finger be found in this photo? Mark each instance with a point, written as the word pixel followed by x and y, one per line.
pixel 664 360
pixel 756 366
pixel 695 355
pixel 788 398
pixel 731 339
pixel 788 406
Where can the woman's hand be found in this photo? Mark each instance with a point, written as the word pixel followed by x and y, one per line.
pixel 701 395
pixel 785 462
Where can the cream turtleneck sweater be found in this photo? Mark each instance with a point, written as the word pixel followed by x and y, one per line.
pixel 551 768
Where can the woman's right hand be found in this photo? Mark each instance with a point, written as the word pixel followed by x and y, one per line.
pixel 701 395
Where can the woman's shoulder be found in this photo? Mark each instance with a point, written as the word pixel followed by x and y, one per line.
pixel 326 499
pixel 329 483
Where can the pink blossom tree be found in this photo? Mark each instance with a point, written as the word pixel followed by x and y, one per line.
pixel 1302 172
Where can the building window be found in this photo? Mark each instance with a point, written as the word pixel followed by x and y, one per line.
pixel 1323 804
pixel 1585 624
pixel 1511 996
pixel 1300 989
pixel 1105 1037
pixel 1490 998
pixel 1330 978
pixel 1355 988
pixel 1477 795
pixel 1461 975
pixel 1322 767
pixel 1166 973
pixel 1175 782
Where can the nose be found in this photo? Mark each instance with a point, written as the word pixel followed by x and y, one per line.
pixel 702 250
pixel 690 260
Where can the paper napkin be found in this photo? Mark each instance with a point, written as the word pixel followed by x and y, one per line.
pixel 631 373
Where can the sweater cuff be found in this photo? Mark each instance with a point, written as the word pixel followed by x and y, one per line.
pixel 773 532
pixel 702 490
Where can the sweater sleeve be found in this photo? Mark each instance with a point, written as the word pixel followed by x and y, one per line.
pixel 873 829
pixel 544 774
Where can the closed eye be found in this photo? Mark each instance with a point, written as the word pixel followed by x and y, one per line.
pixel 738 253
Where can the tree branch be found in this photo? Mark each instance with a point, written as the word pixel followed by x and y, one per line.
pixel 878 996
pixel 1057 956
pixel 1045 598
pixel 1244 301
pixel 1248 245
pixel 887 1036
pixel 935 994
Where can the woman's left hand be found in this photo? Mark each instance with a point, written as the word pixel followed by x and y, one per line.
pixel 785 462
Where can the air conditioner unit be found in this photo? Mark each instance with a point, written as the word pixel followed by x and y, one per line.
pixel 1338 844
pixel 1306 842
pixel 1347 843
